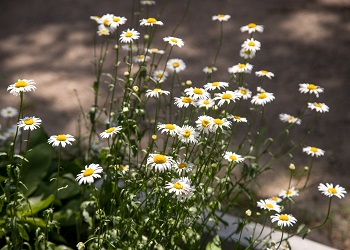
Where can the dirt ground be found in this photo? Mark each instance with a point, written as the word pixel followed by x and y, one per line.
pixel 304 41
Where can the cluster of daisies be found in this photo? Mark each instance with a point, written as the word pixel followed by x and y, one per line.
pixel 276 203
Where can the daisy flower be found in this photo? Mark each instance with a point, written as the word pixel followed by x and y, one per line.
pixel 215 85
pixel 187 134
pixel 247 54
pixel 252 27
pixel 289 118
pixel 319 107
pixel 150 22
pixel 265 73
pixel 61 140
pixel 310 88
pixel 283 220
pixel 276 199
pixel 182 166
pixel 203 123
pixel 233 157
pixel 221 18
pixel 102 31
pixel 237 118
pixel 141 58
pixel 244 93
pixel 183 101
pixel 313 151
pixel 291 192
pixel 9 112
pixel 110 132
pixel 160 162
pixel 168 128
pixel 226 97
pixel 209 70
pixel 159 75
pixel 219 123
pixel 123 169
pixel 329 190
pixel 156 92
pixel 181 188
pixel 29 123
pixel 90 173
pixel 154 51
pixel 117 21
pixel 269 204
pixel 110 22
pixel 176 65
pixel 205 103
pixel 197 93
pixel 129 47
pixel 251 44
pixel 262 98
pixel 241 68
pixel 129 36
pixel 147 2
pixel 22 85
pixel 174 41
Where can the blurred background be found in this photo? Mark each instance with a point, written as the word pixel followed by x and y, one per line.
pixel 52 42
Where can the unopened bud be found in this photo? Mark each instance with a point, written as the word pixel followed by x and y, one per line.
pixel 292 166
pixel 248 212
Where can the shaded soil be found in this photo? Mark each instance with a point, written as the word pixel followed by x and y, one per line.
pixel 304 41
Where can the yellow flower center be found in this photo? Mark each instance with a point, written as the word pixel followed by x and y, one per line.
pixel 151 20
pixel 182 165
pixel 116 19
pixel 237 117
pixel 104 32
pixel 121 168
pixel 206 102
pixel 274 198
pixel 197 91
pixel 226 96
pixel 232 157
pixel 88 172
pixel 28 121
pixel 128 34
pixel 160 75
pixel 157 90
pixel 314 149
pixel 269 205
pixel 218 121
pixel 265 72
pixel 178 185
pixel 251 43
pixel 186 99
pixel 262 95
pixel 61 138
pixel 332 190
pixel 209 68
pixel 159 159
pixel 319 105
pixel 247 52
pixel 110 130
pixel 251 25
pixel 187 133
pixel 176 64
pixel 215 84
pixel 290 118
pixel 284 217
pixel 243 91
pixel 140 56
pixel 311 86
pixel 221 15
pixel 289 192
pixel 106 22
pixel 174 40
pixel 169 126
pixel 205 123
pixel 21 84
pixel 241 65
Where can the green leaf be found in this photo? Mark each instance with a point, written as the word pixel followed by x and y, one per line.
pixel 215 244
pixel 22 232
pixel 39 162
pixel 38 222
pixel 36 205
